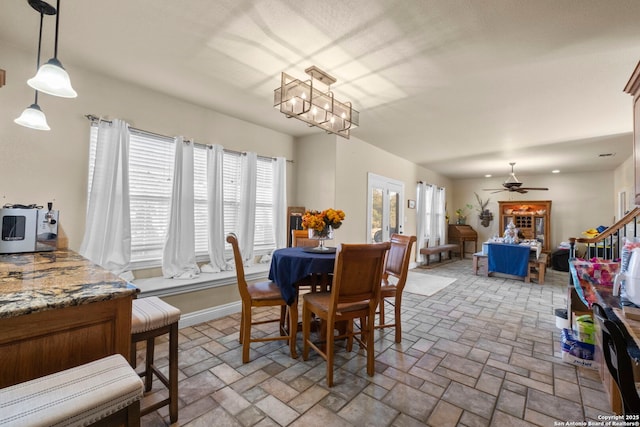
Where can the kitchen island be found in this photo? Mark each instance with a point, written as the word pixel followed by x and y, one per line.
pixel 59 310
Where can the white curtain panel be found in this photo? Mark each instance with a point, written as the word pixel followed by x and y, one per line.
pixel 215 210
pixel 421 219
pixel 247 217
pixel 280 201
pixel 440 203
pixel 107 237
pixel 179 255
pixel 432 221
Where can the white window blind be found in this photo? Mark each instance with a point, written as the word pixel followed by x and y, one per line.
pixel 151 173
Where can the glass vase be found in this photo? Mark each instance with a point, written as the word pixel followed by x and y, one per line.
pixel 321 236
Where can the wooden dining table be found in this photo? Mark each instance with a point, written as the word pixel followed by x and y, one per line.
pixel 289 266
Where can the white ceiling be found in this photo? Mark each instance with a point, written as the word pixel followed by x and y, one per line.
pixel 462 87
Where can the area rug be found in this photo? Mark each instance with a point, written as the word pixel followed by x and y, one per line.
pixel 426 284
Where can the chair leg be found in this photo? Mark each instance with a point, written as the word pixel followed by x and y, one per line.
pixel 381 306
pixel 173 373
pixel 246 332
pixel 240 334
pixel 368 339
pixel 306 331
pixel 283 320
pixel 329 353
pixel 148 378
pixel 398 323
pixel 133 355
pixel 349 335
pixel 293 327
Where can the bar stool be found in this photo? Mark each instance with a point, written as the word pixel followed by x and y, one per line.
pixel 151 318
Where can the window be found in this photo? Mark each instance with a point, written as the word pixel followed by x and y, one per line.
pixel 151 160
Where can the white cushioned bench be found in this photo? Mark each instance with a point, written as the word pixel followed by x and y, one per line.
pixel 106 391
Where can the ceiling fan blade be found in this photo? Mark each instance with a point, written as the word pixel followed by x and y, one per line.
pixel 534 188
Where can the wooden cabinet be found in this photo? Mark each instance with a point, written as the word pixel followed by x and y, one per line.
pixel 531 217
pixel 633 89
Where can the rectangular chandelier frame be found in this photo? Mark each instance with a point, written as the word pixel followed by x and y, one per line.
pixel 304 101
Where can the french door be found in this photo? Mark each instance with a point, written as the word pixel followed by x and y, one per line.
pixel 385 212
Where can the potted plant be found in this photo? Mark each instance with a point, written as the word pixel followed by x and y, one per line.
pixel 461 217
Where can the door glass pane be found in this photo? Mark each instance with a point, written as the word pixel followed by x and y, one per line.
pixel 376 214
pixel 540 230
pixel 394 214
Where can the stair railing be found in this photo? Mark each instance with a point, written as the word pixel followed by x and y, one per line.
pixel 608 244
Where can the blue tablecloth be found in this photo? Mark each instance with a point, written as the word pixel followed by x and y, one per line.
pixel 508 259
pixel 290 265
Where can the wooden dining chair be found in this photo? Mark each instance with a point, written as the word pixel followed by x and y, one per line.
pixel 262 294
pixel 396 268
pixel 354 294
pixel 300 238
pixel 314 282
pixel 618 361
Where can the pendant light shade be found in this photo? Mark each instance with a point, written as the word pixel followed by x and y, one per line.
pixel 33 117
pixel 52 78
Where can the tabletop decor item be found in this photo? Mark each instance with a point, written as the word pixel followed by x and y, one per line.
pixel 461 214
pixel 321 225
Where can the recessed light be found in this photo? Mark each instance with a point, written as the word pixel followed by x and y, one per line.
pixel 488 175
pixel 555 171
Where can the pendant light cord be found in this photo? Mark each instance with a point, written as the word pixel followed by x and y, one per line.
pixel 55 49
pixel 39 47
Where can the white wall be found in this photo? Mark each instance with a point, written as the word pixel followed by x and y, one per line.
pixel 38 166
pixel 623 181
pixel 579 201
pixel 341 182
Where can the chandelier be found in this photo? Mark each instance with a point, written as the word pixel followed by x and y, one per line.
pixel 315 106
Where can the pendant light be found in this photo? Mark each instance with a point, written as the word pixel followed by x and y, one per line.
pixel 52 78
pixel 33 117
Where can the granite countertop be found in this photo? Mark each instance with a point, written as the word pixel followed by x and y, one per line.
pixel 40 281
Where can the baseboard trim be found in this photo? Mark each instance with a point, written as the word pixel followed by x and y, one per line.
pixel 208 314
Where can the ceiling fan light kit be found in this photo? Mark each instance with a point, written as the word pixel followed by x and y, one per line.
pixel 513 184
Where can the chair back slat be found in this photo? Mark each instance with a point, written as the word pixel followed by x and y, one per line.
pixel 232 239
pixel 300 238
pixel 358 273
pixel 398 259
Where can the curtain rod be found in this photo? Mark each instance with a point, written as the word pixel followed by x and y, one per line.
pixel 93 118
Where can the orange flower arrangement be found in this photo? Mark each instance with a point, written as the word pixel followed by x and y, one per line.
pixel 320 220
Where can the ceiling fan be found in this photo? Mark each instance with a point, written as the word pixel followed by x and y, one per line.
pixel 513 184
